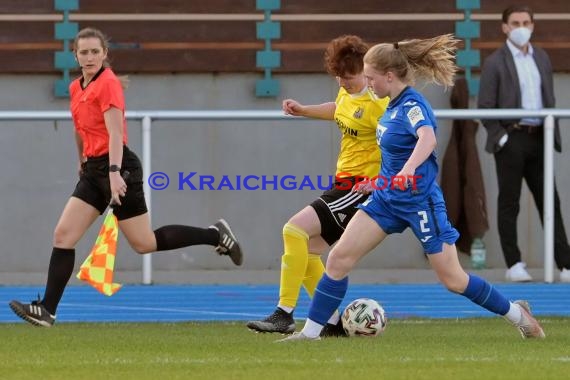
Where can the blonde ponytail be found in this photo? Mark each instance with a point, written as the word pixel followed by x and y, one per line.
pixel 432 60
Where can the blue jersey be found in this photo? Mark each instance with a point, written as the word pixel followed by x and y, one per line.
pixel 396 135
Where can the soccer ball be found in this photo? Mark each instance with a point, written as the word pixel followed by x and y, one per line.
pixel 364 317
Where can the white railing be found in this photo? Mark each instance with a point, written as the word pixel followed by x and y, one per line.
pixel 146 117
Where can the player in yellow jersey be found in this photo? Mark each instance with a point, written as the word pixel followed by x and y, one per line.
pixel 310 232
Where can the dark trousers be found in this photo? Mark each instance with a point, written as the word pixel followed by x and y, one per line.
pixel 523 157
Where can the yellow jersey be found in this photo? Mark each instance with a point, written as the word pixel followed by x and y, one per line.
pixel 357 116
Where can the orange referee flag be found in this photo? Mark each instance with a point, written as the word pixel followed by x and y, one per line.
pixel 97 269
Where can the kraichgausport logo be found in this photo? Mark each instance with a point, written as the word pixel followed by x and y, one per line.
pixel 194 181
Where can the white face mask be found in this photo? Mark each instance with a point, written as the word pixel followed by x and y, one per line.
pixel 520 36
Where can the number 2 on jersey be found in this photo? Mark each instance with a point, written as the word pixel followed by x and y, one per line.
pixel 424 221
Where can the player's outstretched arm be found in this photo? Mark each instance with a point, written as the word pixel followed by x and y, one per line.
pixel 323 111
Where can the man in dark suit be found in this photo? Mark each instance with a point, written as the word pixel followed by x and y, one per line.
pixel 519 75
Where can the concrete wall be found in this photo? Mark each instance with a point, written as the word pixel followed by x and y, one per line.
pixel 38 170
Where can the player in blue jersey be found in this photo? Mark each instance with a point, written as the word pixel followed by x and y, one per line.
pixel 310 232
pixel 406 135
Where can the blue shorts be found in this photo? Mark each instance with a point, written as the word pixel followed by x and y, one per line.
pixel 429 224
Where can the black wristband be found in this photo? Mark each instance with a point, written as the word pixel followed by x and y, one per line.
pixel 114 168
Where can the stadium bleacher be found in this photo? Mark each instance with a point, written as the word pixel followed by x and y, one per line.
pixel 220 35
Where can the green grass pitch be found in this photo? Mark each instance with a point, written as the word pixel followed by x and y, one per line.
pixel 486 348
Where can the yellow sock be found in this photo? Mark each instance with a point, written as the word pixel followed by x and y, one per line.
pixel 293 264
pixel 313 274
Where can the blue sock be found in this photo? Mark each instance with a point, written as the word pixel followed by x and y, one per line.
pixel 485 295
pixel 327 298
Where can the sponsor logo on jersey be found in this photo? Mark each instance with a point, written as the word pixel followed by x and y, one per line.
pixel 415 115
pixel 380 129
pixel 345 129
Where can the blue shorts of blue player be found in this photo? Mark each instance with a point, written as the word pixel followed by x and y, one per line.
pixel 427 219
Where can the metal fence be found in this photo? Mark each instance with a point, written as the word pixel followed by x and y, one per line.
pixel 146 117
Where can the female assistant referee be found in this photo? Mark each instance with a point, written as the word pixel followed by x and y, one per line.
pixel 98 111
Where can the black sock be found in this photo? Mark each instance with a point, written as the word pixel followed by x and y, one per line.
pixel 176 236
pixel 60 269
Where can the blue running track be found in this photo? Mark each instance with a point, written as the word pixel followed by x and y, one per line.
pixel 176 303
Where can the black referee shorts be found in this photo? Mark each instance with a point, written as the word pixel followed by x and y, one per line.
pixel 336 207
pixel 94 188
